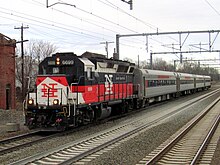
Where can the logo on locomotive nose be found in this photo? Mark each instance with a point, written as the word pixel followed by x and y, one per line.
pixel 49 90
pixel 108 84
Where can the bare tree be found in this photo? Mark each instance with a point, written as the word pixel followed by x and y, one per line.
pixel 144 64
pixel 40 49
pixel 35 52
pixel 160 64
pixel 194 68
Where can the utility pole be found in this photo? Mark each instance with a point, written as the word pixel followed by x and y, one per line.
pixel 22 57
pixel 106 46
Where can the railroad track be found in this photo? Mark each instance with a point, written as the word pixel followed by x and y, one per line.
pixel 193 144
pixel 21 141
pixel 91 147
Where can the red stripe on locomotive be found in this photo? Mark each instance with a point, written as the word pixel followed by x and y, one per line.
pixel 60 79
pixel 163 76
pixel 97 93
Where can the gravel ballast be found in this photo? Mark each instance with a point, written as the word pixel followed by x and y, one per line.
pixel 129 152
pixel 134 150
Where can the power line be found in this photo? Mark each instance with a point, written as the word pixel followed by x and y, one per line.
pixel 54 25
pixel 59 26
pixel 64 39
pixel 40 20
pixel 212 7
pixel 78 18
pixel 81 19
pixel 99 17
pixel 109 20
pixel 110 4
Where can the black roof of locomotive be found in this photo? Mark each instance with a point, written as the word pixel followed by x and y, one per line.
pixel 95 57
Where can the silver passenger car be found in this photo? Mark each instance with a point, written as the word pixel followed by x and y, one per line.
pixel 156 85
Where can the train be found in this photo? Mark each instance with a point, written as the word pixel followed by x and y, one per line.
pixel 75 90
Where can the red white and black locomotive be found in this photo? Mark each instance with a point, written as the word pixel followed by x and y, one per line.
pixel 73 90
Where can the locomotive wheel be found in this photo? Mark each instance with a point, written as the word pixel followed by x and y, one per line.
pixel 135 104
pixel 122 108
pixel 85 117
pixel 126 106
pixel 88 117
pixel 61 127
pixel 31 127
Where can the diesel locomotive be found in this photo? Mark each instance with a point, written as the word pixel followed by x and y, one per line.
pixel 72 90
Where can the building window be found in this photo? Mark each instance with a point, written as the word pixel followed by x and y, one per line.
pixel 8 96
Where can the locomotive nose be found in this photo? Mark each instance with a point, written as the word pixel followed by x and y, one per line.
pixel 52 90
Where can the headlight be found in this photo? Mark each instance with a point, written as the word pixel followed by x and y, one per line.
pixel 55 102
pixel 30 101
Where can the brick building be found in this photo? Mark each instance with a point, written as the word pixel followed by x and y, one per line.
pixel 7 72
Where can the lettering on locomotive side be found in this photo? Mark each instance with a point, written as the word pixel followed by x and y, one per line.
pixel 63 62
pixel 108 84
pixel 67 62
pixel 49 90
pixel 120 78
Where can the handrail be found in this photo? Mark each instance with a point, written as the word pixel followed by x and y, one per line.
pixel 77 94
pixel 25 104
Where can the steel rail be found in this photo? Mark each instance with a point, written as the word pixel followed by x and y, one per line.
pixel 5 146
pixel 206 141
pixel 163 151
pixel 17 137
pixel 14 143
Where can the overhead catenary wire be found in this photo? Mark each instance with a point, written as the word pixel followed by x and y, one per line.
pixel 51 23
pixel 55 27
pixel 97 16
pixel 212 7
pixel 137 19
pixel 92 22
pixel 59 26
pixel 110 4
pixel 78 31
pixel 65 40
pixel 114 22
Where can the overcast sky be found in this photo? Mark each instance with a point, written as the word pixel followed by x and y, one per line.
pixel 84 24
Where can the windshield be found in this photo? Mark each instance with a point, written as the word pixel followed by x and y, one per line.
pixel 67 70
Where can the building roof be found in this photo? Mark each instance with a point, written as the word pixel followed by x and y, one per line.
pixel 6 41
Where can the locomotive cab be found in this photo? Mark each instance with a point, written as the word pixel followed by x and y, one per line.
pixel 49 105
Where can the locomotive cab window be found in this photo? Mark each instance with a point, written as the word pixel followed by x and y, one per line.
pixel 131 70
pixel 89 73
pixel 44 71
